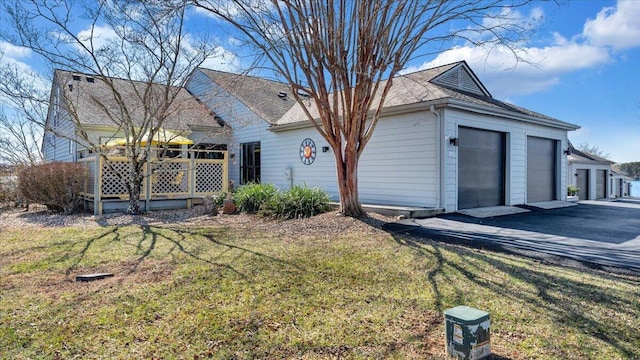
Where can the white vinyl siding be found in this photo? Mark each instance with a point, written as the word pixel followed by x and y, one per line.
pixel 245 125
pixel 56 145
pixel 399 166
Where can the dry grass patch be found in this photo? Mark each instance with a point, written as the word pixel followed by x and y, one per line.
pixel 327 287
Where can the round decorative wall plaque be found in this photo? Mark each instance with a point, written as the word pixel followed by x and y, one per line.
pixel 307 151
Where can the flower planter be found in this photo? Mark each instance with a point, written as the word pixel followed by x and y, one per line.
pixel 573 198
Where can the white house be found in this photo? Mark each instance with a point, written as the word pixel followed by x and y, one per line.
pixel 88 112
pixel 442 142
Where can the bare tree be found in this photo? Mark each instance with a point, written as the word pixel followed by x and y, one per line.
pixel 337 54
pixel 593 150
pixel 138 52
pixel 22 116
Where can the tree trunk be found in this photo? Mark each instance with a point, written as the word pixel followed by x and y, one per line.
pixel 347 172
pixel 134 186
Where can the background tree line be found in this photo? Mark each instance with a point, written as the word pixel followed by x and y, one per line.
pixel 631 168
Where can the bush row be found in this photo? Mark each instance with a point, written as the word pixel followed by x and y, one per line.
pixel 58 186
pixel 295 203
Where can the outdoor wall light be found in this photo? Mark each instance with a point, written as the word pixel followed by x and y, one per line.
pixel 453 141
pixel 232 155
pixel 576 174
pixel 567 152
pixel 325 149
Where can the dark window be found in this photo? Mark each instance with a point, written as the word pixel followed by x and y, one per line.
pixel 250 163
pixel 213 155
pixel 169 151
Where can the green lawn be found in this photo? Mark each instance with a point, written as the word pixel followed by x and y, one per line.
pixel 219 292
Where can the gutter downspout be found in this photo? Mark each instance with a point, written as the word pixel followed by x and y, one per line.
pixel 441 157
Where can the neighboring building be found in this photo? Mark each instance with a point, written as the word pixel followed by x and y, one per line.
pixel 442 142
pixel 590 173
pixel 620 183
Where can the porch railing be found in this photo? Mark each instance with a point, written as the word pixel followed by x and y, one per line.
pixel 168 178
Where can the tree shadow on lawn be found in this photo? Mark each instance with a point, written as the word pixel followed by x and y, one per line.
pixel 571 310
pixel 177 240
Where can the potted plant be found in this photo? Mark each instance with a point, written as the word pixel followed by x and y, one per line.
pixel 572 193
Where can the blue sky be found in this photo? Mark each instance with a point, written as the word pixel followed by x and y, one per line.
pixel 583 67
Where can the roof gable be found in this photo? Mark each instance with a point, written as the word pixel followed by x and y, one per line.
pixel 461 77
pixel 269 99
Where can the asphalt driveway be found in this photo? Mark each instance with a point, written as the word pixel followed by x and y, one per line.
pixel 597 233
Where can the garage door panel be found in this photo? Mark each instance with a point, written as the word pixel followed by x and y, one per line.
pixel 541 169
pixel 601 184
pixel 481 174
pixel 582 182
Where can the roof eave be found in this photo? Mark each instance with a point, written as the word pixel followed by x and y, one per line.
pixel 463 105
pixel 454 103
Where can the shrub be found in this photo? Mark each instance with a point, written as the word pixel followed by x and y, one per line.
pixel 572 190
pixel 266 200
pixel 251 197
pixel 298 202
pixel 56 185
pixel 8 189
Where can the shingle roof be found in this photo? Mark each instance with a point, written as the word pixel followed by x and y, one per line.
pixel 87 98
pixel 576 155
pixel 419 87
pixel 258 94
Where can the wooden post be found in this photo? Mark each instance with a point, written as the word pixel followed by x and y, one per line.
pixel 148 185
pixel 97 187
pixel 191 181
pixel 225 172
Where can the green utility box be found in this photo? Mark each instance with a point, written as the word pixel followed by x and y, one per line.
pixel 467 333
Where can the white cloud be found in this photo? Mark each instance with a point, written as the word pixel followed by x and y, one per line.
pixel 543 66
pixel 15 56
pixel 617 27
pixel 11 51
pixel 223 60
pixel 220 58
pixel 99 36
pixel 533 69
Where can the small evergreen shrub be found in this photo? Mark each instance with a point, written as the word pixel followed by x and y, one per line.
pixel 296 203
pixel 572 190
pixel 56 185
pixel 251 197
